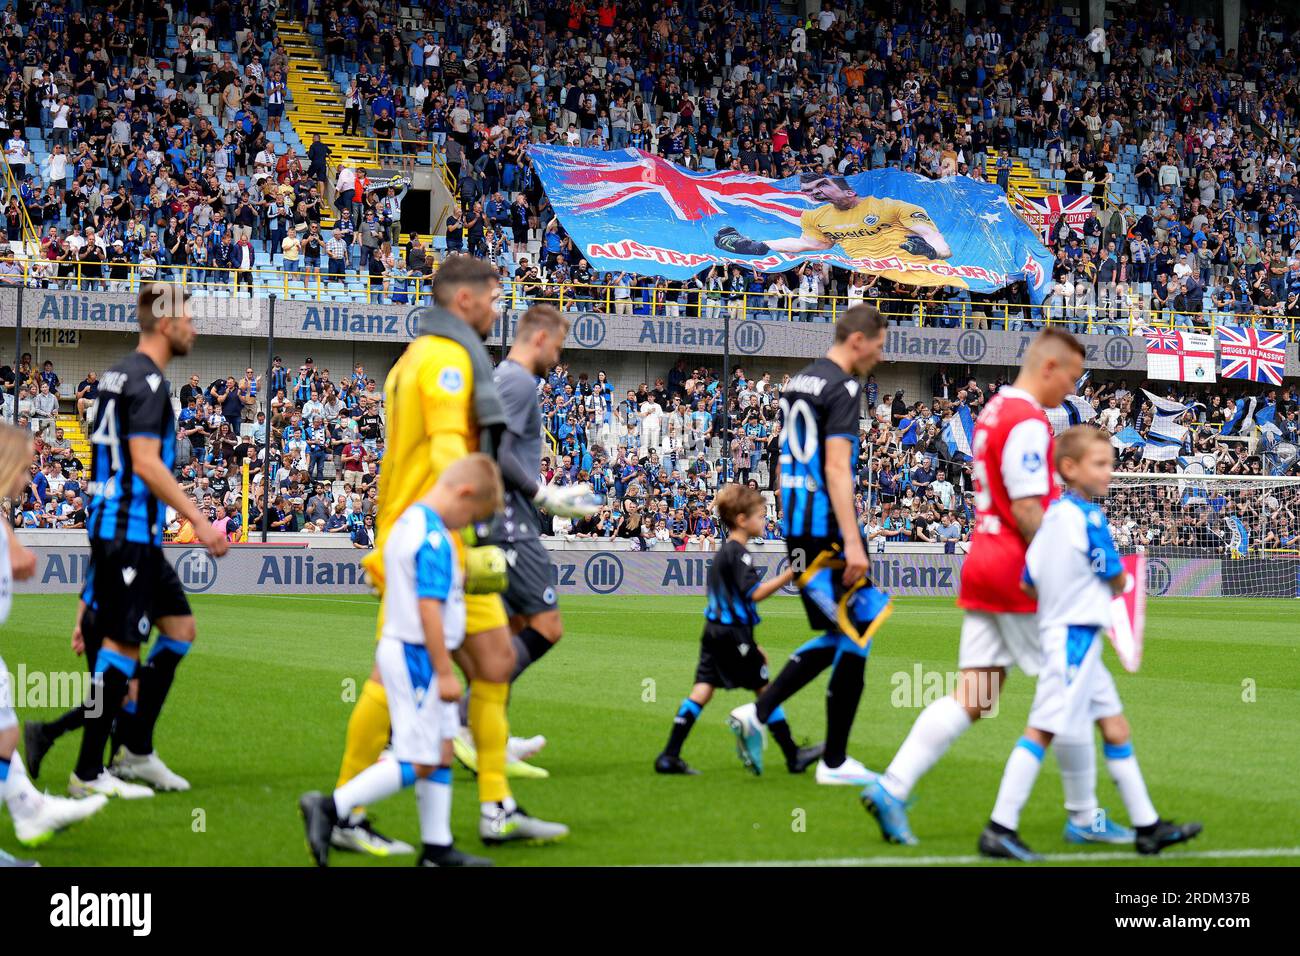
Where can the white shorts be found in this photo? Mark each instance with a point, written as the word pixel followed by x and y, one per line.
pixel 999 640
pixel 8 716
pixel 1074 687
pixel 421 722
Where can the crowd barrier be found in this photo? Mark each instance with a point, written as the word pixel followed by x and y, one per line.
pixel 297 569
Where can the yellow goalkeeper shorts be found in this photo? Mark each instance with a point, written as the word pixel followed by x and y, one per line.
pixel 484 612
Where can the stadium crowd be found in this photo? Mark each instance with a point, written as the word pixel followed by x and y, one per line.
pixel 166 144
pixel 657 452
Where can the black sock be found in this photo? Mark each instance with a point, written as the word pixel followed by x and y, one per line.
pixel 136 730
pixel 66 723
pixel 101 709
pixel 780 731
pixel 530 647
pixel 842 696
pixel 804 664
pixel 682 724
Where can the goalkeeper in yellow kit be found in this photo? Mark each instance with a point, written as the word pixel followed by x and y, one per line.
pixel 865 227
pixel 439 410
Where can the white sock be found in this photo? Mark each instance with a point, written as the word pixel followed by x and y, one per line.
pixel 1017 782
pixel 371 785
pixel 20 796
pixel 1078 760
pixel 434 800
pixel 939 725
pixel 489 809
pixel 1123 767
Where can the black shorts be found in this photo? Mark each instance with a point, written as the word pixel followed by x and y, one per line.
pixel 803 551
pixel 730 658
pixel 131 586
pixel 531 577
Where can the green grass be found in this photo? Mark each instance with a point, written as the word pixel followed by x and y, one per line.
pixel 257 716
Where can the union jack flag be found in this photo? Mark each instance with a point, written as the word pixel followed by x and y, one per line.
pixel 1252 354
pixel 1042 212
pixel 1163 340
pixel 689 195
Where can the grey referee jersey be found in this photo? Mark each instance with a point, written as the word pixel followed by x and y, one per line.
pixel 518 390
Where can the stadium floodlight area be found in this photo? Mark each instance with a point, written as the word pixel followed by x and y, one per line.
pixel 1248 523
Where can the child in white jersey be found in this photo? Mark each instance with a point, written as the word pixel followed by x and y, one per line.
pixel 1073 569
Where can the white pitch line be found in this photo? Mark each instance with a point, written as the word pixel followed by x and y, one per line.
pixel 1081 857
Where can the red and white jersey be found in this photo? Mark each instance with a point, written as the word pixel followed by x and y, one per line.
pixel 1012 459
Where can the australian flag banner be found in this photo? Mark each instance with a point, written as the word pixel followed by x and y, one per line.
pixel 628 210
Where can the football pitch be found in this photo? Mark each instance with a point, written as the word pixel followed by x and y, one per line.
pixel 259 710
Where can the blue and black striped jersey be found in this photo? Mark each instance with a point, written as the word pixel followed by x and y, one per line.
pixel 820 402
pixel 732 580
pixel 134 401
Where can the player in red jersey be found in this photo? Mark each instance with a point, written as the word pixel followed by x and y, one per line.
pixel 1012 476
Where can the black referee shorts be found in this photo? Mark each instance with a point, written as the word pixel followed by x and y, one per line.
pixel 531 578
pixel 130 586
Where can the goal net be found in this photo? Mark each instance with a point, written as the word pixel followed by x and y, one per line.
pixel 1213 535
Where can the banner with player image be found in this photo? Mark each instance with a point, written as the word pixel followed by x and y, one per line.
pixel 628 210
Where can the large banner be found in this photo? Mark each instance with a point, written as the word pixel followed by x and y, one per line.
pixel 629 210
pixel 1043 213
pixel 273 570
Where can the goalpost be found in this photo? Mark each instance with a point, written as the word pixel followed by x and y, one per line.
pixel 1250 524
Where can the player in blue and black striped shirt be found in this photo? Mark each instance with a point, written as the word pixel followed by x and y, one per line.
pixel 820 420
pixel 131 588
pixel 729 655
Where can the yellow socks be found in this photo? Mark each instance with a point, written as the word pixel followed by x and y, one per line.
pixel 487 722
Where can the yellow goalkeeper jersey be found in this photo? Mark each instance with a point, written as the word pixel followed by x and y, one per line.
pixel 874 229
pixel 429 398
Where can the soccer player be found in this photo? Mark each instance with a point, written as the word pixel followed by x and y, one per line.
pixel 865 227
pixel 530 595
pixel 423 624
pixel 36 816
pixel 442 405
pixel 1011 474
pixel 820 412
pixel 133 588
pixel 729 655
pixel 1073 570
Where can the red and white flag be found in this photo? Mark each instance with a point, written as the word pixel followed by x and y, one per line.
pixel 1180 356
pixel 1128 613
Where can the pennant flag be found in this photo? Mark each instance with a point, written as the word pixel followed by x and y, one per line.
pixel 628 210
pixel 1165 437
pixel 1180 356
pixel 958 432
pixel 1239 423
pixel 1127 438
pixel 1251 354
pixel 1238 536
pixel 1075 411
pixel 1128 612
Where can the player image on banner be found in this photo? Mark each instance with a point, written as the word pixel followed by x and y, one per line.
pixel 865 227
pixel 627 210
